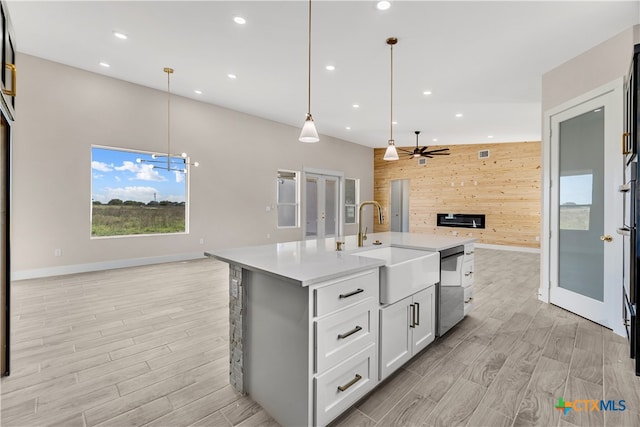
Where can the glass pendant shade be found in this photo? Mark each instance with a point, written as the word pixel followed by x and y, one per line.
pixel 391 153
pixel 309 132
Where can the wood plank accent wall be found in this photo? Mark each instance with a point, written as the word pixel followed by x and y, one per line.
pixel 506 187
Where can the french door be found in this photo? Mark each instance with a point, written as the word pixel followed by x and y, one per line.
pixel 585 208
pixel 322 206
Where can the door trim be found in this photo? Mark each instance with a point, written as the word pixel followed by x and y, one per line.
pixel 614 303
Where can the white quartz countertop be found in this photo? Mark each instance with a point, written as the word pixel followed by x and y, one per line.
pixel 313 261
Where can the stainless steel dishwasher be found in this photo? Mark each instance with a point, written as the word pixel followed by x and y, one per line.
pixel 449 292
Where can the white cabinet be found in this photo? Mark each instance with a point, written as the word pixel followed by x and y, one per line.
pixel 467 276
pixel 345 343
pixel 406 327
pixel 309 353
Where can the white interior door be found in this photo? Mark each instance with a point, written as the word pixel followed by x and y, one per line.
pixel 322 206
pixel 585 208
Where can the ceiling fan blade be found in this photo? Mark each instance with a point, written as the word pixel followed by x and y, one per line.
pixel 404 151
pixel 438 154
pixel 438 150
pixel 423 148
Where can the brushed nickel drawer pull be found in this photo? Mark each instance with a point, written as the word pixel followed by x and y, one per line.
pixel 416 320
pixel 412 323
pixel 469 300
pixel 350 294
pixel 350 383
pixel 351 332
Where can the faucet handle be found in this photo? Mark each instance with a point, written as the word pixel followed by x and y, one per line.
pixel 364 235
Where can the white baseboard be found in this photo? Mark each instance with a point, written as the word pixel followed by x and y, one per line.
pixel 99 266
pixel 508 248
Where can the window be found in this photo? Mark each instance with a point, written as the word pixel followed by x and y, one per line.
pixel 351 199
pixel 575 201
pixel 287 185
pixel 132 198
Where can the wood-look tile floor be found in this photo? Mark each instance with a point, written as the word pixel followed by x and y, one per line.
pixel 148 346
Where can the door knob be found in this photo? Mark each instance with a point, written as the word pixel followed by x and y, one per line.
pixel 606 238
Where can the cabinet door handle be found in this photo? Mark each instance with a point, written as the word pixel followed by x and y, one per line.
pixel 468 274
pixel 350 294
pixel 412 323
pixel 469 300
pixel 416 320
pixel 469 253
pixel 12 91
pixel 625 146
pixel 351 332
pixel 350 383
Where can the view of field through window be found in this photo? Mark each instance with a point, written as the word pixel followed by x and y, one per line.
pixel 575 201
pixel 129 197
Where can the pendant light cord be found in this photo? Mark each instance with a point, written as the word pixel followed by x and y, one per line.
pixel 309 67
pixel 391 115
pixel 169 71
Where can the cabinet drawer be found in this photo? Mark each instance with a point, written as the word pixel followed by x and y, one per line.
pixel 342 386
pixel 467 274
pixel 344 333
pixel 469 250
pixel 346 292
pixel 468 300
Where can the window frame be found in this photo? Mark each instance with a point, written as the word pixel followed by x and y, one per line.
pixel 187 195
pixel 352 205
pixel 296 203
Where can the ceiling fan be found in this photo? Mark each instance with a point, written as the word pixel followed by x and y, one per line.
pixel 423 152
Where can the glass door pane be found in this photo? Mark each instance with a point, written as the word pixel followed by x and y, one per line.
pixel 331 207
pixel 311 229
pixel 581 204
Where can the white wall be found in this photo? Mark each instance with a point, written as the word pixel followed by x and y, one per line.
pixel 61 111
pixel 599 65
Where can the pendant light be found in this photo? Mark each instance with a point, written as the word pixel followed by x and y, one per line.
pixel 391 153
pixel 173 162
pixel 309 132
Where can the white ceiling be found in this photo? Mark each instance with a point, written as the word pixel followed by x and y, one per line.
pixel 483 59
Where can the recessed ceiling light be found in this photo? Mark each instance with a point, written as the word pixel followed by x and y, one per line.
pixel 232 76
pixel 239 20
pixel 383 5
pixel 426 92
pixel 105 65
pixel 489 136
pixel 330 67
pixel 356 105
pixel 435 139
pixel 120 35
pixel 348 127
pixel 458 114
pixel 394 123
pixel 199 92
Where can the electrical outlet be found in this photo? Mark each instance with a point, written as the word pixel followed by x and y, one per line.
pixel 201 241
pixel 537 238
pixel 268 235
pixel 57 252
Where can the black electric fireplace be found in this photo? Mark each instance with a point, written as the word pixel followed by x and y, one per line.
pixel 461 220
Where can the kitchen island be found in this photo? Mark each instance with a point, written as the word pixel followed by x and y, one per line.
pixel 306 336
